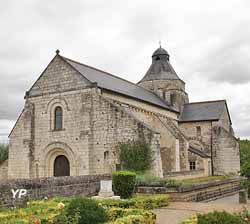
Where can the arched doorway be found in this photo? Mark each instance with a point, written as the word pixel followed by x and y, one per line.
pixel 61 166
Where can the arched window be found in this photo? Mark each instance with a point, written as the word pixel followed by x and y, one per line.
pixel 58 118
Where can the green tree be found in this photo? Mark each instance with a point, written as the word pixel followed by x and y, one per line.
pixel 4 152
pixel 244 151
pixel 135 155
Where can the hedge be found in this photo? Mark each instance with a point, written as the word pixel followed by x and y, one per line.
pixel 139 202
pixel 120 215
pixel 124 183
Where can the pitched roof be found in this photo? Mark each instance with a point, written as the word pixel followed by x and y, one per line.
pixel 203 111
pixel 198 152
pixel 116 84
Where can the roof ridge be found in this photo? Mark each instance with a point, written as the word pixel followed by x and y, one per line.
pixel 208 101
pixel 114 77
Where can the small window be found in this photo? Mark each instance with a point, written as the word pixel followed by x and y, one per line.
pixel 164 95
pixel 198 131
pixel 106 155
pixel 192 165
pixel 172 98
pixel 58 118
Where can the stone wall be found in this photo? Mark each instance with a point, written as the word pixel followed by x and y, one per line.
pixel 172 142
pixel 202 142
pixel 226 153
pixel 166 88
pixel 48 187
pixel 4 170
pixel 92 129
pixel 217 140
pixel 197 192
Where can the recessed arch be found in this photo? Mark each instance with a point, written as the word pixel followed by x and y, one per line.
pixel 52 151
pixel 57 101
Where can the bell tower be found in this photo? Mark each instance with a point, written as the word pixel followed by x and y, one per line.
pixel 162 79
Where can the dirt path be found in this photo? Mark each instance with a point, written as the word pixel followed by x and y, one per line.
pixel 178 211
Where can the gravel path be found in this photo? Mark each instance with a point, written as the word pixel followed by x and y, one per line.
pixel 178 211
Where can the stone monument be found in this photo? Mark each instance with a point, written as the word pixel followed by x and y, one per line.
pixel 106 190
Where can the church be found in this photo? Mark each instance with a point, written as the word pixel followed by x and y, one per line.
pixel 75 116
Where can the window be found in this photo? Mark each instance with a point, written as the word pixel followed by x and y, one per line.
pixel 106 155
pixel 198 131
pixel 172 98
pixel 58 118
pixel 164 95
pixel 192 165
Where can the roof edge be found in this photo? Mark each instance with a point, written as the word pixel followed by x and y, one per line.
pixel 207 101
pixel 187 121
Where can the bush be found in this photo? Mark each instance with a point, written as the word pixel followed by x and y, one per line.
pixel 134 219
pixel 82 211
pixel 118 213
pixel 135 155
pixel 139 202
pixel 124 183
pixel 4 152
pixel 219 217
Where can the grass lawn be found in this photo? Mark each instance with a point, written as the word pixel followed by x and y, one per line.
pixel 203 179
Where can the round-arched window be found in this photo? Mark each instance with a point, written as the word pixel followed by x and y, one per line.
pixel 58 119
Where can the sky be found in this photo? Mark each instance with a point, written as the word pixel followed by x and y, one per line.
pixel 208 42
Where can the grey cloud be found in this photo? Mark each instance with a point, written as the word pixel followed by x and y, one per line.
pixel 120 36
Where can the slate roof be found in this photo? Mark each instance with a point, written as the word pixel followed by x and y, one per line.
pixel 198 152
pixel 160 51
pixel 203 111
pixel 113 83
pixel 160 69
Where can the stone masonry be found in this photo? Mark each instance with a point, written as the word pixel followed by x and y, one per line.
pixel 100 110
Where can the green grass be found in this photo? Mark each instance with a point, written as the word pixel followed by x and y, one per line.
pixel 203 179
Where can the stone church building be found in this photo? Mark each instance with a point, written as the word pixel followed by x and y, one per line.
pixel 75 116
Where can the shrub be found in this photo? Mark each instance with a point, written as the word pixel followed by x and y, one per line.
pixel 139 202
pixel 134 219
pixel 4 152
pixel 124 183
pixel 191 220
pixel 219 217
pixel 117 213
pixel 135 155
pixel 82 211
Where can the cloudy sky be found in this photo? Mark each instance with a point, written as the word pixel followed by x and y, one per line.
pixel 208 42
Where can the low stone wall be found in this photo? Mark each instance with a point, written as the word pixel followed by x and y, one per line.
pixel 196 192
pixel 4 170
pixel 185 174
pixel 47 187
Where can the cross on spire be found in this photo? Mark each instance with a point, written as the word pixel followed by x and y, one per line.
pixel 160 43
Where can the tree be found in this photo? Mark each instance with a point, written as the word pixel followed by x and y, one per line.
pixel 135 155
pixel 4 152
